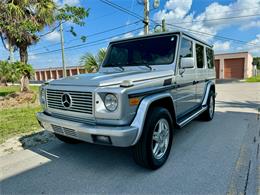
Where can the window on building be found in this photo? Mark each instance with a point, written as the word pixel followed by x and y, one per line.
pixel 210 58
pixel 200 55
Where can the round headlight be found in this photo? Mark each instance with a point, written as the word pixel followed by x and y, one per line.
pixel 111 102
pixel 42 96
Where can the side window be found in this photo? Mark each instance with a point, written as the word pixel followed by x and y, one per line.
pixel 186 48
pixel 210 58
pixel 200 56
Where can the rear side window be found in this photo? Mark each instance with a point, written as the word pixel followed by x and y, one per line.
pixel 186 48
pixel 200 56
pixel 210 58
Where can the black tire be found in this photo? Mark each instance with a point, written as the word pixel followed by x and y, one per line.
pixel 67 140
pixel 143 150
pixel 208 115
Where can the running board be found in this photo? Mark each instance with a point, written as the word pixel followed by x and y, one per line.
pixel 192 116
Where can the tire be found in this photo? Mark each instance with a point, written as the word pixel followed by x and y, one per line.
pixel 67 140
pixel 143 151
pixel 208 115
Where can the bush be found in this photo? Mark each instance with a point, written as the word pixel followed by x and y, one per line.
pixel 12 72
pixel 253 79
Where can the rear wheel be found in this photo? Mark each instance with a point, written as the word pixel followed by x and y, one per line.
pixel 67 140
pixel 209 113
pixel 153 148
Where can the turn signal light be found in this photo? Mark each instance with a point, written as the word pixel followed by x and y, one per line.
pixel 134 101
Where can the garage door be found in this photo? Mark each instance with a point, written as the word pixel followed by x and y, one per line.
pixel 234 68
pixel 217 62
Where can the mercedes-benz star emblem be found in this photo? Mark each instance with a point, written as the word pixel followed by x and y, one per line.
pixel 66 100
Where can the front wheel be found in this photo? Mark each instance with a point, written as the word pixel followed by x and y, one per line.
pixel 153 148
pixel 209 113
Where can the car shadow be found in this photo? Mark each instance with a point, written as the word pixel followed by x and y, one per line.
pixel 88 168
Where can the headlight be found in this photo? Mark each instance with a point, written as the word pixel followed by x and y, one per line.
pixel 111 102
pixel 42 95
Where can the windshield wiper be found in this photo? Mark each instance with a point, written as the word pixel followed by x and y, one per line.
pixel 115 66
pixel 148 66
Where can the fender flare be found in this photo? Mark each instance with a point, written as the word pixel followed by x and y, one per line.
pixel 206 93
pixel 141 114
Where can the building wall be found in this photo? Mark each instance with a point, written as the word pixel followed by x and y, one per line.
pixel 56 73
pixel 248 59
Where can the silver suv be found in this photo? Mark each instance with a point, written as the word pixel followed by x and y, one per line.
pixel 145 88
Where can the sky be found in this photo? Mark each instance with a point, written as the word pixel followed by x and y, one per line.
pixel 229 25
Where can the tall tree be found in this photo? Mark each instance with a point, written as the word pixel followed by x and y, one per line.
pixel 92 62
pixel 21 21
pixel 256 61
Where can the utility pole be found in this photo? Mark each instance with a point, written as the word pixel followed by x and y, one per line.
pixel 146 17
pixel 62 50
pixel 163 25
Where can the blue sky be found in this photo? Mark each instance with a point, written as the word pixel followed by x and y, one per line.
pixel 205 13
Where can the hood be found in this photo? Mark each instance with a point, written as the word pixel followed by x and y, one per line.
pixel 104 79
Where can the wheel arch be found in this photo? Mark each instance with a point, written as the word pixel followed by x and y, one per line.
pixel 163 100
pixel 210 86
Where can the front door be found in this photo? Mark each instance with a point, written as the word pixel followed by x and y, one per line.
pixel 185 95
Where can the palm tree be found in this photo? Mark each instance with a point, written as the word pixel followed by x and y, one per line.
pixel 92 62
pixel 22 20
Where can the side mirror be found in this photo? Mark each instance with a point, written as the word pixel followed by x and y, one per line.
pixel 187 62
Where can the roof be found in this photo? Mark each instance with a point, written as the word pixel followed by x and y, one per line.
pixel 162 34
pixel 242 52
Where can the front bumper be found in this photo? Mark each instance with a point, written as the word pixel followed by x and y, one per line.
pixel 122 136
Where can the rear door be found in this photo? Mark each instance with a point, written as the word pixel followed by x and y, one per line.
pixel 185 96
pixel 201 72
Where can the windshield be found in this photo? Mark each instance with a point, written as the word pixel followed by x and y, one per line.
pixel 146 51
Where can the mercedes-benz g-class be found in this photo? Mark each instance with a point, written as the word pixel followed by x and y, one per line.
pixel 145 88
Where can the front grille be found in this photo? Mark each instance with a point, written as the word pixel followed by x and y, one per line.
pixel 57 129
pixel 64 130
pixel 80 101
pixel 90 121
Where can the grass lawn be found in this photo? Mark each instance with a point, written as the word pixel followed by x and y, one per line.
pixel 253 79
pixel 15 121
pixel 20 119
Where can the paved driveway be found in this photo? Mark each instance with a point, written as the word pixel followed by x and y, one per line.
pixel 206 157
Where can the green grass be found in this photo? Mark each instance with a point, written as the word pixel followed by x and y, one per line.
pixel 15 121
pixel 19 120
pixel 253 79
pixel 15 88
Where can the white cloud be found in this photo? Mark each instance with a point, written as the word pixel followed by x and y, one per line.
pixel 253 46
pixel 32 57
pixel 220 46
pixel 178 12
pixel 141 33
pixel 69 2
pixel 54 36
pixel 252 24
pixel 128 35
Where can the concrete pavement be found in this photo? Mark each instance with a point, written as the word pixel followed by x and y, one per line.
pixel 206 157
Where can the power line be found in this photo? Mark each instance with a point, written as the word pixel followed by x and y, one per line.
pixel 78 46
pixel 91 35
pixel 189 30
pixel 216 19
pixel 116 6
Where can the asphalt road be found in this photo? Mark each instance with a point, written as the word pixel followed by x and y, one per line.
pixel 206 157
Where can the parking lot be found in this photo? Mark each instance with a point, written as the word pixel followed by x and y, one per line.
pixel 207 157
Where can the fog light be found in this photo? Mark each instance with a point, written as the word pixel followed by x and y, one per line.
pixel 102 139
